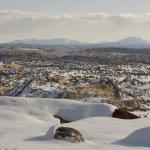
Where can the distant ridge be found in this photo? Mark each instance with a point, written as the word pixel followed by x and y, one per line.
pixel 57 41
pixel 129 42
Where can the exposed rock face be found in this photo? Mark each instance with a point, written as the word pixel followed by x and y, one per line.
pixel 68 134
pixel 122 114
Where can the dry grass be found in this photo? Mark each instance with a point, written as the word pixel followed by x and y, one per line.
pixel 82 91
pixel 14 66
pixel 4 89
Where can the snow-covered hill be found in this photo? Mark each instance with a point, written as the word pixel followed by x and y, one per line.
pixel 24 123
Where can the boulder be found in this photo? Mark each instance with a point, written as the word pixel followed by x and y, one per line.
pixel 122 114
pixel 68 134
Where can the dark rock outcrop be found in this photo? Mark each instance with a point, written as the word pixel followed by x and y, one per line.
pixel 122 114
pixel 68 134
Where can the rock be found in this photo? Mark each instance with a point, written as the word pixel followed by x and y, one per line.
pixel 68 134
pixel 122 114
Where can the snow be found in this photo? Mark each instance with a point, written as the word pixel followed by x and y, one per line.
pixel 68 109
pixel 139 137
pixel 98 99
pixel 28 124
pixel 1 64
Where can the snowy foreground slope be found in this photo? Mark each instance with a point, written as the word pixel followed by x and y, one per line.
pixel 25 122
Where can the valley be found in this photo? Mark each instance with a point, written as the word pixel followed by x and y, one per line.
pixel 117 76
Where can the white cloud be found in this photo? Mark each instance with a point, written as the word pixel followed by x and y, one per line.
pixel 88 26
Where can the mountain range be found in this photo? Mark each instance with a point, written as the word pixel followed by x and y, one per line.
pixel 57 41
pixel 129 42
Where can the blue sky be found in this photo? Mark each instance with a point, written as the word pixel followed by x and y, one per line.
pixel 83 20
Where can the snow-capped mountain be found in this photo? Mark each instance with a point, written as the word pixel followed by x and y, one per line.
pixel 129 42
pixel 133 40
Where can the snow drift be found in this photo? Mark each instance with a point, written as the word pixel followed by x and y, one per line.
pixel 28 124
pixel 44 108
pixel 140 138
